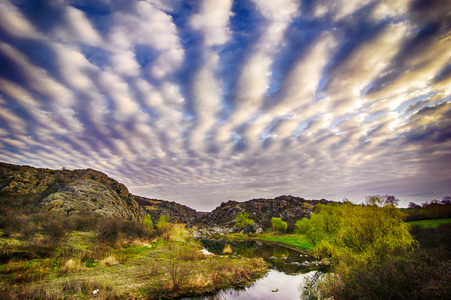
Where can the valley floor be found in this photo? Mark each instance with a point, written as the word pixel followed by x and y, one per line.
pixel 129 271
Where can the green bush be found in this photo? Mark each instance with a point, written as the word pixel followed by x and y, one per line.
pixel 242 220
pixel 301 226
pixel 164 228
pixel 365 233
pixel 148 221
pixel 278 224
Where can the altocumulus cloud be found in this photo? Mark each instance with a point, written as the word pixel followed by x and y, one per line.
pixel 204 101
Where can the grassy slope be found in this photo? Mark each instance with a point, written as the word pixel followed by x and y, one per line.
pixel 430 223
pixel 297 240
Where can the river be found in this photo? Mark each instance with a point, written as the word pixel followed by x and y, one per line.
pixel 286 277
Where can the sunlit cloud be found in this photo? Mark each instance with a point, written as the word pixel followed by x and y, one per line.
pixel 204 101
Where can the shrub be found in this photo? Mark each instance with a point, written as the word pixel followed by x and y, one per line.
pixel 163 227
pixel 365 233
pixel 242 220
pixel 108 230
pixel 85 222
pixel 301 226
pixel 134 230
pixel 415 275
pixel 148 222
pixel 278 224
pixel 179 272
pixel 12 222
pixel 29 230
pixel 54 227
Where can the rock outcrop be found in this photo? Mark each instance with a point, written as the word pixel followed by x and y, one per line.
pixel 173 211
pixel 289 208
pixel 71 192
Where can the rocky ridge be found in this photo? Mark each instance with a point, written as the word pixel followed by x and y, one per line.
pixel 174 211
pixel 72 192
pixel 289 208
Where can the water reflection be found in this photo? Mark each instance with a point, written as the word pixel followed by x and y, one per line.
pixel 286 278
pixel 275 285
pixel 278 257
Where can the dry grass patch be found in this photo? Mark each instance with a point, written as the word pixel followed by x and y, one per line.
pixel 108 261
pixel 71 265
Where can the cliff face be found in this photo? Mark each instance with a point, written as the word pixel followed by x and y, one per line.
pixel 289 208
pixel 71 192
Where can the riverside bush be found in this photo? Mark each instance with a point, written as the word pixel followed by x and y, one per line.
pixel 376 257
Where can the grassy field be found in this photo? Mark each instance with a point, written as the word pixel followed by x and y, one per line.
pixel 297 240
pixel 430 223
pixel 88 264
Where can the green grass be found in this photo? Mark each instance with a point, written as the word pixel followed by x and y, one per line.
pixel 297 240
pixel 430 223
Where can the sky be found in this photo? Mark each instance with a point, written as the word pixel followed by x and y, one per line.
pixel 205 101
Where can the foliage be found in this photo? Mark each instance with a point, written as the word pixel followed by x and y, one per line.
pixel 242 220
pixel 278 224
pixel 163 227
pixel 301 226
pixel 375 255
pixel 361 233
pixel 433 209
pixel 421 273
pixel 148 221
pixel 382 200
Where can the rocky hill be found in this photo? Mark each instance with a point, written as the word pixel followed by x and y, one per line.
pixel 289 208
pixel 175 212
pixel 70 192
pixel 85 191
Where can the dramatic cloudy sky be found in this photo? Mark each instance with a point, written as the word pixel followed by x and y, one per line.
pixel 202 101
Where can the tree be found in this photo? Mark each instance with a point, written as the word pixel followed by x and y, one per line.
pixel 242 220
pixel 382 200
pixel 301 226
pixel 278 224
pixel 413 205
pixel 446 200
pixel 148 221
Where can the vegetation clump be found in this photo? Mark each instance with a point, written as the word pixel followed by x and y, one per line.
pixel 242 220
pixel 375 255
pixel 279 225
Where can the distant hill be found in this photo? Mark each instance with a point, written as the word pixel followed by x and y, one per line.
pixel 175 212
pixel 289 208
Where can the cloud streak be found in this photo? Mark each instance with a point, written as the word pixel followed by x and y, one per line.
pixel 205 101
